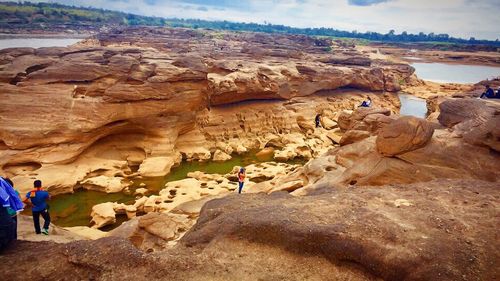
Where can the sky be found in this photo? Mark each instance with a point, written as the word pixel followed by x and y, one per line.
pixel 459 18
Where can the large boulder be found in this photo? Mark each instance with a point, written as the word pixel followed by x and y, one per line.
pixel 404 134
pixel 477 121
pixel 398 232
pixel 103 214
pixel 455 111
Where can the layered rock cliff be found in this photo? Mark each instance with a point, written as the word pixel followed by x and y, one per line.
pixel 142 99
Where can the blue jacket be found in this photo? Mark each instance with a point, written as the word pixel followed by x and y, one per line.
pixel 9 198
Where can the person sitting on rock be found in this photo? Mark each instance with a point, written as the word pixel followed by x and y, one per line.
pixel 317 120
pixel 366 103
pixel 241 179
pixel 38 198
pixel 498 93
pixel 489 93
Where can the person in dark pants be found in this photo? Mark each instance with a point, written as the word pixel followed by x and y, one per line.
pixel 6 227
pixel 9 200
pixel 317 120
pixel 38 198
pixel 241 179
pixel 366 103
pixel 489 93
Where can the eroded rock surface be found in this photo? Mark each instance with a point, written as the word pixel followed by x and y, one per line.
pixel 158 95
pixel 438 230
pixel 405 150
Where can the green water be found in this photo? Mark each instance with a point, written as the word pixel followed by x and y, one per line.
pixel 74 209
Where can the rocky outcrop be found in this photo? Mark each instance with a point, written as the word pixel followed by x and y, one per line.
pixel 439 230
pixel 156 96
pixel 478 122
pixel 403 150
pixel 414 232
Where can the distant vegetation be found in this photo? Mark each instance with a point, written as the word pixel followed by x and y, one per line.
pixel 42 14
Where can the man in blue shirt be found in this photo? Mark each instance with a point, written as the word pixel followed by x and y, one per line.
pixel 38 198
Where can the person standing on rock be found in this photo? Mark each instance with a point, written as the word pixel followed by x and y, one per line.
pixel 38 198
pixel 10 203
pixel 489 93
pixel 241 179
pixel 317 120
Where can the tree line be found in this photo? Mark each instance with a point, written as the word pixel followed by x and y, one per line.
pixel 32 13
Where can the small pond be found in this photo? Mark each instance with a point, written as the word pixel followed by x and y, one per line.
pixel 454 73
pixel 412 106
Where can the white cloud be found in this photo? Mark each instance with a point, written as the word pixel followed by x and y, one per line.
pixel 461 18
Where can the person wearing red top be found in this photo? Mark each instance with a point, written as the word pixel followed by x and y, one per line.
pixel 241 179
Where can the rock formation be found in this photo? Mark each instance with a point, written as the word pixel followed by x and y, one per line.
pixel 158 95
pixel 383 197
pixel 439 230
pixel 406 149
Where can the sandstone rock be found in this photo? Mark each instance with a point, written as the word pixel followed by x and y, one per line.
pixel 477 121
pixel 153 231
pixel 375 122
pixel 344 120
pixel 266 153
pixel 141 191
pixel 25 232
pixel 334 136
pixel 328 123
pixel 159 225
pixel 128 210
pixel 105 184
pixel 455 111
pixel 103 214
pixel 145 99
pixel 289 186
pixel 444 155
pixel 221 156
pixel 192 208
pixel 156 166
pixel 87 232
pixel 404 134
pixel 284 155
pixel 352 136
pixel 427 237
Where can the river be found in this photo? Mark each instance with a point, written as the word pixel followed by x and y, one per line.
pixel 37 42
pixel 454 73
pixel 412 106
